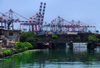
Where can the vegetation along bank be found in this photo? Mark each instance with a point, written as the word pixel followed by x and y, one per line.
pixel 27 42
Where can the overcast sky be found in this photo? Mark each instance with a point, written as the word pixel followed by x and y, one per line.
pixel 87 11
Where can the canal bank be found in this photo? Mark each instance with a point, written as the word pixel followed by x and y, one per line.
pixel 19 47
pixel 12 52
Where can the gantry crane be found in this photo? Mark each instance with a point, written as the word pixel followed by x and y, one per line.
pixel 59 24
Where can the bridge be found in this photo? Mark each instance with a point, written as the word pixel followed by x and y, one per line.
pixel 63 39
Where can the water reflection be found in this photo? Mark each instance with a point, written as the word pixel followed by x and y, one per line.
pixel 57 58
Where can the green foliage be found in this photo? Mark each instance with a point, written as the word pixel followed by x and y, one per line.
pixel 11 49
pixel 7 52
pixel 29 37
pixel 28 45
pixel 3 50
pixel 19 45
pixel 54 36
pixel 26 48
pixel 93 38
pixel 78 37
pixel 16 50
pixel 23 49
pixel 87 43
pixel 68 43
pixel 1 54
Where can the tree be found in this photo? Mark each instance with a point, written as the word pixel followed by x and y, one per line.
pixel 92 41
pixel 54 36
pixel 93 38
pixel 78 37
pixel 28 37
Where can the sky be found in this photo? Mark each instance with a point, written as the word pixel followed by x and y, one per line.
pixel 87 11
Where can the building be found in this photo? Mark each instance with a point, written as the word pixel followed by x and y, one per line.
pixel 9 37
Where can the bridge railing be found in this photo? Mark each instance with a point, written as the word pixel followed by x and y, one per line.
pixel 62 40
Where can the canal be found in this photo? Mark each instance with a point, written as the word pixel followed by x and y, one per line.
pixel 79 57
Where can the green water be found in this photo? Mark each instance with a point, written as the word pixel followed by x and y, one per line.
pixel 57 58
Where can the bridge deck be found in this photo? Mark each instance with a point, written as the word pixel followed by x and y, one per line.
pixel 64 38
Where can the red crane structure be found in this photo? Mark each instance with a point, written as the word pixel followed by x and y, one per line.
pixel 6 21
pixel 9 18
pixel 36 20
pixel 60 24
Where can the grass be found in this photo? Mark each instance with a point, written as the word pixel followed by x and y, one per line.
pixel 0 49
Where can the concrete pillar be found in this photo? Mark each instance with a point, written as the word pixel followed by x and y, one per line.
pixel 91 45
pixel 71 45
pixel 50 45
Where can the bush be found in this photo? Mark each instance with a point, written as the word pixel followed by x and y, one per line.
pixel 11 49
pixel 7 52
pixel 23 49
pixel 26 48
pixel 28 45
pixel 54 36
pixel 93 38
pixel 16 50
pixel 78 37
pixel 19 45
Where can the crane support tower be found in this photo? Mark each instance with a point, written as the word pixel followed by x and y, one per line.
pixel 37 18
